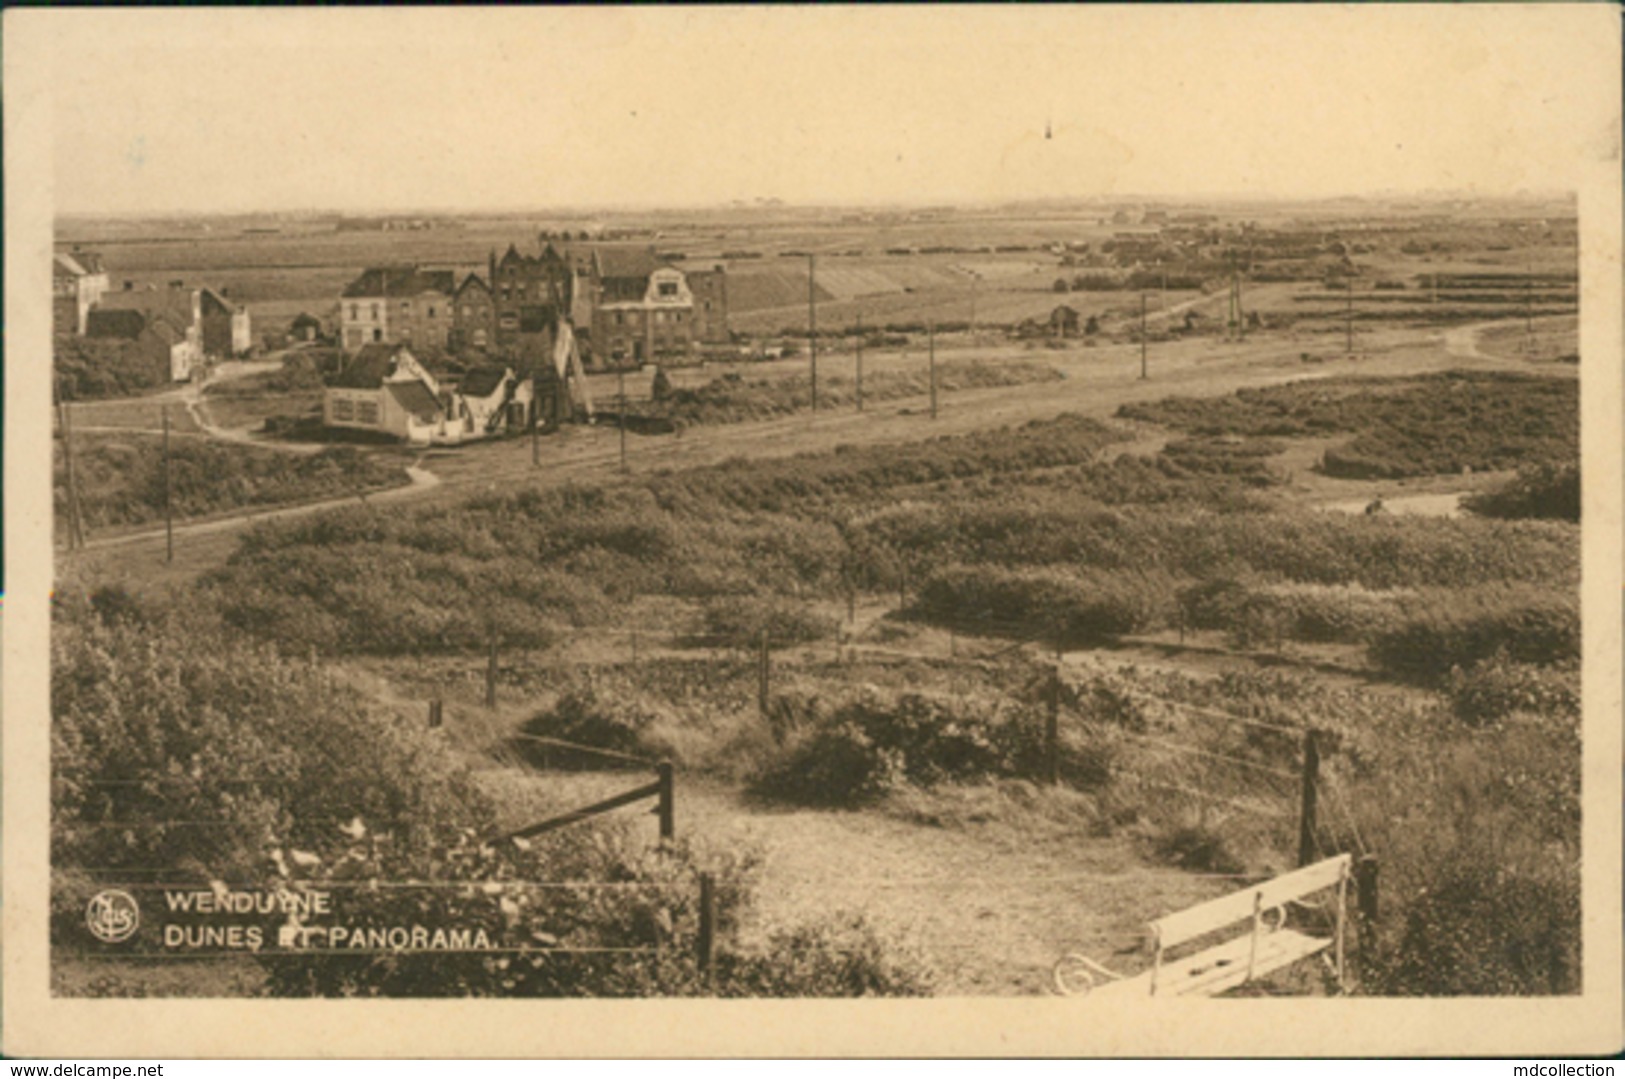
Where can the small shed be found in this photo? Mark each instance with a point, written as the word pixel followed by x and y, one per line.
pixel 1064 321
pixel 306 327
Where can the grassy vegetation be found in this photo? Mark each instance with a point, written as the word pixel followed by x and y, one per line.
pixel 1028 532
pixel 1547 490
pixel 734 398
pixel 157 777
pixel 270 399
pixel 1426 425
pixel 121 477
pixel 86 369
pixel 1012 531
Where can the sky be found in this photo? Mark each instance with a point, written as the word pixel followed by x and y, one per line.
pixel 483 109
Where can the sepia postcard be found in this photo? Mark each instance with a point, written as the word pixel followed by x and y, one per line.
pixel 792 531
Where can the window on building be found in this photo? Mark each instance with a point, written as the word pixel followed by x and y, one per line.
pixel 406 305
pixel 366 412
pixel 375 312
pixel 620 319
pixel 352 338
pixel 467 310
pixel 668 288
pixel 355 311
pixel 431 311
pixel 343 408
pixel 378 335
pixel 406 335
pixel 479 338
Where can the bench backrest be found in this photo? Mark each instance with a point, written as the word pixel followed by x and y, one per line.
pixel 1204 918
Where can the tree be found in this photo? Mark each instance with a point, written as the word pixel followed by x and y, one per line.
pixel 1061 285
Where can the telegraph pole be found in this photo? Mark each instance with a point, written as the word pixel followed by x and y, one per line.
pixel 1529 305
pixel 812 329
pixel 1348 319
pixel 931 347
pixel 1241 316
pixel 535 414
pixel 860 361
pixel 169 516
pixel 76 527
pixel 1143 373
pixel 620 382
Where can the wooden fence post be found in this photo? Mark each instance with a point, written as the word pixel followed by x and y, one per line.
pixel 1365 888
pixel 667 807
pixel 491 675
pixel 435 715
pixel 1311 780
pixel 707 942
pixel 762 677
pixel 1052 728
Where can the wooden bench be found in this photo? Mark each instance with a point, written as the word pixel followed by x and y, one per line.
pixel 1266 946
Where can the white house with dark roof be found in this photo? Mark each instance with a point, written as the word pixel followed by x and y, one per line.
pixel 384 389
pixel 387 390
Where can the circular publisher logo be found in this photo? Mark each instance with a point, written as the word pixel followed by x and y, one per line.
pixel 112 916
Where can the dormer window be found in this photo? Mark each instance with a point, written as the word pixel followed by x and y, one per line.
pixel 668 289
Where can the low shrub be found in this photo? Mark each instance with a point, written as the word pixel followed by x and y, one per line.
pixel 1455 630
pixel 1547 490
pixel 200 746
pixel 607 720
pixel 740 621
pixel 1197 848
pixel 635 938
pixel 1481 930
pixel 1495 688
pixel 1070 605
pixel 874 745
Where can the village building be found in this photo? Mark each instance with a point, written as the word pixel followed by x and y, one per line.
pixel 397 305
pixel 166 325
pixel 383 388
pixel 387 390
pixel 627 305
pixel 473 317
pixel 227 328
pixel 78 281
pixel 305 327
pixel 491 399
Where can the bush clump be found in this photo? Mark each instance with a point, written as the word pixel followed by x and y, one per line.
pixel 1493 689
pixel 1546 490
pixel 874 745
pixel 1072 605
pixel 1523 626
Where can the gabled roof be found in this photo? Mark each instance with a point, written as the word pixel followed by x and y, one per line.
pixel 214 303
pixel 401 281
pixel 175 302
pixel 473 281
pixel 415 398
pixel 483 381
pixel 368 368
pixel 628 264
pixel 165 331
pixel 69 264
pixel 123 324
